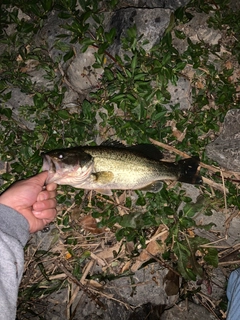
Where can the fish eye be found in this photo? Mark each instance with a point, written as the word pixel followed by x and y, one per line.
pixel 60 156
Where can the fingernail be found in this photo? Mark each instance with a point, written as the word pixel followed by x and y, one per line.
pixel 42 196
pixel 36 213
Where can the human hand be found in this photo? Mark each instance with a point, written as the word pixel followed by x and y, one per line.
pixel 27 197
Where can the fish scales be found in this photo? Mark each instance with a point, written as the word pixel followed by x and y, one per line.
pixel 131 171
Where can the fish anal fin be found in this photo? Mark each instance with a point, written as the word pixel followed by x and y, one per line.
pixel 155 186
pixel 106 192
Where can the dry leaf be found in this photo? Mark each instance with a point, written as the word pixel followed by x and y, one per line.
pixel 88 223
pixel 108 253
pixel 126 266
pixel 177 133
pixel 171 281
pixel 153 248
pixel 228 65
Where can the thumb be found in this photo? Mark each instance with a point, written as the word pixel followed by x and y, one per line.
pixel 39 179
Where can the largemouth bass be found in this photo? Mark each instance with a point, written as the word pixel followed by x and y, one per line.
pixel 103 168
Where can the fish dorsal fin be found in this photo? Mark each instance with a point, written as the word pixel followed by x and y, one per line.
pixel 147 150
pixel 112 143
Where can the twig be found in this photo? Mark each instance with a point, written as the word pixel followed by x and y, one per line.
pixel 209 245
pixel 86 270
pixel 183 154
pixel 203 165
pixel 114 299
pixel 158 235
pixel 224 191
pixel 228 263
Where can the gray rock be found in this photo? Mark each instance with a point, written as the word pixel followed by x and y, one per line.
pixel 219 231
pixel 226 148
pixel 180 94
pixel 48 36
pixel 150 23
pixel 80 73
pixel 186 310
pixel 234 5
pixel 2 170
pixel 197 30
pixel 18 99
pixel 149 279
pixel 145 287
pixel 166 4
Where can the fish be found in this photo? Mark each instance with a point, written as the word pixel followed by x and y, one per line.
pixel 112 166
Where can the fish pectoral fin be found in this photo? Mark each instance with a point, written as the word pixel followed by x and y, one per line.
pixel 153 187
pixel 102 177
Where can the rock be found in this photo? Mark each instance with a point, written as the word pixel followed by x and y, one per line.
pixel 48 36
pixel 197 30
pixel 166 4
pixel 19 98
pixel 180 94
pixel 150 279
pixel 150 24
pixel 188 310
pixel 2 170
pixel 80 73
pixel 226 148
pixel 219 219
pixel 145 287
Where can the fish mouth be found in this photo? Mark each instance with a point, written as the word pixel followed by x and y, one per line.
pixel 59 173
pixel 50 166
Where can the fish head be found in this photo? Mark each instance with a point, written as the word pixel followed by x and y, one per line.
pixel 68 166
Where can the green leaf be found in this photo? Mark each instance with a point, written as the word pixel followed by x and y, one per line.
pixel 183 255
pixel 110 36
pixel 179 34
pixel 68 55
pixel 134 63
pixel 63 114
pixel 47 4
pixel 64 15
pixel 190 209
pixel 118 97
pixel 211 257
pixel 140 76
pixel 7 112
pixel 130 220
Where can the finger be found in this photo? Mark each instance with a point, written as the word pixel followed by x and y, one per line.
pixel 45 204
pixel 44 195
pixel 40 223
pixel 48 214
pixel 51 186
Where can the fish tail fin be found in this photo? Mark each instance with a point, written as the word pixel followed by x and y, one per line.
pixel 188 171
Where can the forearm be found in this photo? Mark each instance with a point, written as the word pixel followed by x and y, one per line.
pixel 13 237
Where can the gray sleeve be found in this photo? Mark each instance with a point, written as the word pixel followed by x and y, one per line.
pixel 14 234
